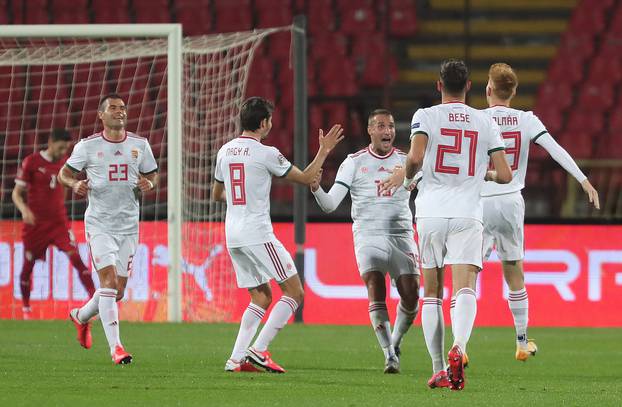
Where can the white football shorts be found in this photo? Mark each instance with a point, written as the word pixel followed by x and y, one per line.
pixel 258 264
pixel 504 219
pixel 393 254
pixel 113 250
pixel 450 241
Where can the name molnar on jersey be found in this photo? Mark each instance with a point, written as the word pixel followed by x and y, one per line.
pixel 506 120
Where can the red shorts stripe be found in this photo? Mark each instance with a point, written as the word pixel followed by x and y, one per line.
pixel 277 265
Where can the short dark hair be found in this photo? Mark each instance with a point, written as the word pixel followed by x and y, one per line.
pixel 454 76
pixel 59 135
pixel 102 102
pixel 378 112
pixel 253 111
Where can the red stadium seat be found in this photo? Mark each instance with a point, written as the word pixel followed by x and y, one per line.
pixel 587 20
pixel 233 15
pixel 334 80
pixel 402 18
pixel 153 15
pixel 582 122
pixel 357 19
pixel 605 70
pixel 71 17
pixel 275 16
pixel 579 144
pixel 335 113
pixel 609 146
pixel 551 117
pixel 320 17
pixel 576 45
pixel 326 46
pixel 111 15
pixel 566 70
pixel 611 47
pixel 554 94
pixel 596 97
pixel 615 119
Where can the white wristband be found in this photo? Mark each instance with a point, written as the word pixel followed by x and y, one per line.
pixel 408 181
pixel 150 184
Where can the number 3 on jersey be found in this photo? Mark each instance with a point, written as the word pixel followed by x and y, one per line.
pixel 238 183
pixel 456 148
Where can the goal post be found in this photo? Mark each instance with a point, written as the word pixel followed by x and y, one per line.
pixel 203 80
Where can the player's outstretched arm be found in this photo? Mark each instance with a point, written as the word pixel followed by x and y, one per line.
pixel 18 199
pixel 414 159
pixel 218 191
pixel 328 201
pixel 327 144
pixel 559 154
pixel 502 174
pixel 67 177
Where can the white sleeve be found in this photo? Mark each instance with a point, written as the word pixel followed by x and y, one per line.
pixel 561 156
pixel 148 164
pixel 419 124
pixel 496 141
pixel 345 173
pixel 277 164
pixel 78 158
pixel 218 176
pixel 328 202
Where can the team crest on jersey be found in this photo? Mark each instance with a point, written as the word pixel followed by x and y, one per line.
pixel 281 159
pixel 135 153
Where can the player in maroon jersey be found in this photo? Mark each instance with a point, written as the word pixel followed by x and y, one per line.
pixel 43 212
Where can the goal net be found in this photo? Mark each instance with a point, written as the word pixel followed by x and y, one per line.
pixel 57 82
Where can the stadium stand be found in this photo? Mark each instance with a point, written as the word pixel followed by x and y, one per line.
pixel 369 53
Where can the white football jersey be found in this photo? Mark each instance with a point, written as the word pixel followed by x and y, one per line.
pixel 113 169
pixel 246 168
pixel 460 140
pixel 375 213
pixel 518 128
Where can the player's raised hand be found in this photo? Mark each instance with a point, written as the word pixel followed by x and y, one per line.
pixel 394 181
pixel 591 192
pixel 28 217
pixel 315 184
pixel 330 140
pixel 81 188
pixel 144 184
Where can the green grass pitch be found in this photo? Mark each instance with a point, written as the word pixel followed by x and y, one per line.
pixel 41 364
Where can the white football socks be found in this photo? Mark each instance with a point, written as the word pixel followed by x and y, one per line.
pixel 248 327
pixel 519 305
pixel 464 316
pixel 109 315
pixel 90 309
pixel 279 316
pixel 379 317
pixel 433 325
pixel 403 322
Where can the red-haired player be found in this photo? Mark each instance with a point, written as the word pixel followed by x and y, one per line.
pixel 43 212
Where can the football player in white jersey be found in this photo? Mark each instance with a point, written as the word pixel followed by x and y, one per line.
pixel 243 176
pixel 504 208
pixel 118 165
pixel 382 229
pixel 452 143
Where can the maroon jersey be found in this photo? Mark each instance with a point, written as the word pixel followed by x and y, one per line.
pixel 45 195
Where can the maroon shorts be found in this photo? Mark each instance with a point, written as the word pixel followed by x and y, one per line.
pixel 37 238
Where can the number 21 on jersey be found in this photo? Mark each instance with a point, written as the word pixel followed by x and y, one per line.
pixel 456 148
pixel 238 183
